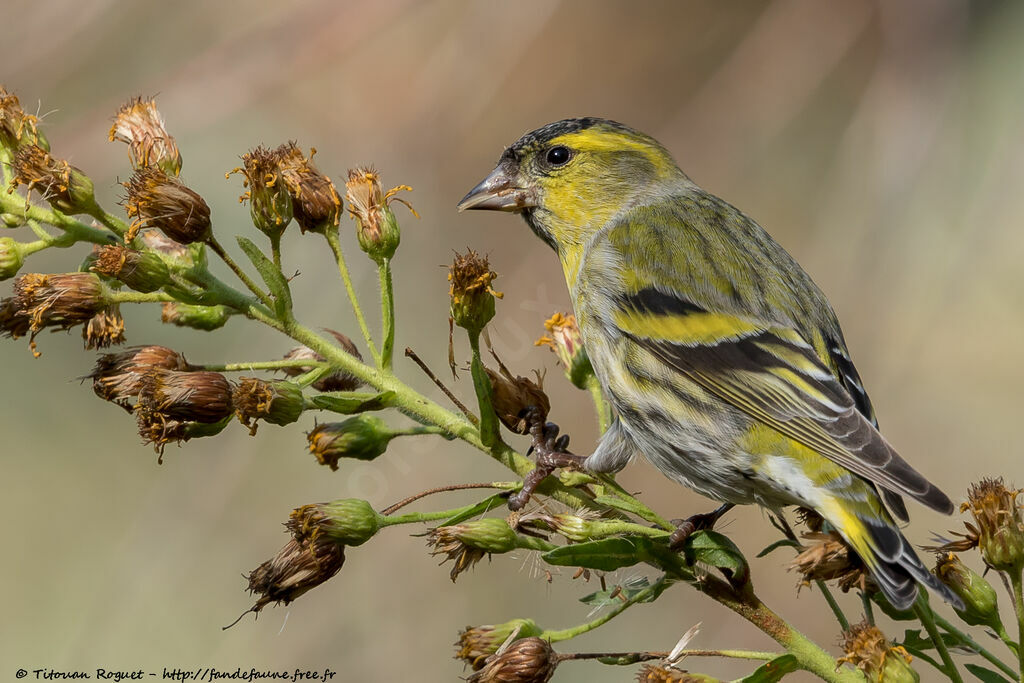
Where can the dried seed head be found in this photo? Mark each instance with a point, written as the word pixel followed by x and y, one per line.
pixel 277 402
pixel 298 567
pixel 477 643
pixel 999 527
pixel 516 398
pixel 139 124
pixel 158 429
pixel 17 127
pixel 63 186
pixel 117 377
pixel 61 300
pixel 981 606
pixel 348 521
pixel 828 558
pixel 105 329
pixel 472 298
pixel 14 323
pixel 188 396
pixel 338 381
pixel 12 258
pixel 270 205
pixel 158 200
pixel 652 673
pixel 206 318
pixel 867 649
pixel 142 271
pixel 528 660
pixel 467 543
pixel 315 201
pixel 363 437
pixel 378 232
pixel 564 339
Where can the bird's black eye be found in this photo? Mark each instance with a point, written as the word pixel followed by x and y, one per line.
pixel 558 156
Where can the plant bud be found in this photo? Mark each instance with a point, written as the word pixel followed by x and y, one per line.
pixel 516 398
pixel 176 255
pixel 363 437
pixel 206 318
pixel 378 232
pixel 338 381
pixel 477 643
pixel 472 298
pixel 270 205
pixel 277 402
pixel 564 339
pixel 117 377
pixel 867 649
pixel 158 200
pixel 999 525
pixel 17 127
pixel 651 673
pixel 157 429
pixel 830 557
pixel 11 220
pixel 63 186
pixel 14 322
pixel 143 271
pixel 60 300
pixel 528 660
pixel 348 521
pixel 298 567
pixel 315 201
pixel 980 603
pixel 189 396
pixel 581 527
pixel 11 258
pixel 139 124
pixel 105 329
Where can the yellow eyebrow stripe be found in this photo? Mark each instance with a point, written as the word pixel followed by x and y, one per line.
pixel 690 330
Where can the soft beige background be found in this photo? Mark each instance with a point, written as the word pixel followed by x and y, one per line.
pixel 879 142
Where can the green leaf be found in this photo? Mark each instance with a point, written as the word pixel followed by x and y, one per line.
pixel 489 503
pixel 986 675
pixel 622 504
pixel 271 274
pixel 607 554
pixel 915 642
pixel 351 402
pixel 781 543
pixel 714 549
pixel 617 594
pixel 773 671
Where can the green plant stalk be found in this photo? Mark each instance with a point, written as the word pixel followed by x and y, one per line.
pixel 131 297
pixel 489 430
pixel 387 313
pixel 1017 583
pixel 110 221
pixel 927 618
pixel 844 623
pixel 263 365
pixel 601 407
pixel 335 243
pixel 974 645
pixel 421 429
pixel 15 204
pixel 275 250
pixel 642 510
pixel 565 634
pixel 239 273
pixel 869 609
pixel 630 658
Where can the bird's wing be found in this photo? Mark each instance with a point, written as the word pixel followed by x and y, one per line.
pixel 772 374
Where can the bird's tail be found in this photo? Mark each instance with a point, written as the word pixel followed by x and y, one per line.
pixel 871 532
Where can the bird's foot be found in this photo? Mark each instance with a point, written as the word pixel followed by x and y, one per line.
pixel 551 454
pixel 692 525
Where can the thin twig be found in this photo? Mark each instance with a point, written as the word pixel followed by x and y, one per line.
pixel 441 489
pixel 409 353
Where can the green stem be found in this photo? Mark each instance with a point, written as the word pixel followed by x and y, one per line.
pixel 1018 606
pixel 489 431
pixel 387 313
pixel 262 365
pixel 601 407
pixel 927 617
pixel 651 591
pixel 629 658
pixel 869 609
pixel 275 250
pixel 421 429
pixel 332 239
pixel 844 623
pixel 974 645
pixel 416 517
pixel 638 508
pixel 15 204
pixel 230 262
pixel 130 297
pixel 110 221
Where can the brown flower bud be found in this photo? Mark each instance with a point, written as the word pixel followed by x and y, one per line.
pixel 156 428
pixel 63 186
pixel 378 232
pixel 467 543
pixel 192 396
pixel 143 271
pixel 516 398
pixel 472 298
pixel 298 567
pixel 158 200
pixel 14 322
pixel 17 127
pixel 277 402
pixel 338 381
pixel 315 201
pixel 1000 530
pixel 564 339
pixel 270 205
pixel 528 660
pixel 363 437
pixel 652 673
pixel 829 557
pixel 477 643
pixel 206 318
pixel 105 329
pixel 867 649
pixel 139 124
pixel 60 300
pixel 117 377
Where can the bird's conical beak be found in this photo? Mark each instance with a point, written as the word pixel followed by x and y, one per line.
pixel 498 192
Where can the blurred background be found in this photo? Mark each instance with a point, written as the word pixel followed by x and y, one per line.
pixel 881 143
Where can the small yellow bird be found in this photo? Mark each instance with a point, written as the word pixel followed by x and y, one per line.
pixel 724 362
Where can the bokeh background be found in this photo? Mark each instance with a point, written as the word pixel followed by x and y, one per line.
pixel 881 143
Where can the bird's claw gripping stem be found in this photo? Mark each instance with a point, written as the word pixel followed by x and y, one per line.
pixel 692 525
pixel 550 449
